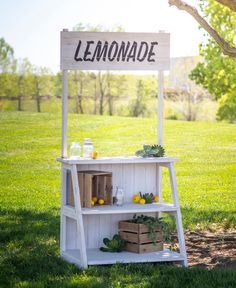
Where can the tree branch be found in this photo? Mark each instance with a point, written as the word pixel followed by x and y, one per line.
pixel 228 3
pixel 225 46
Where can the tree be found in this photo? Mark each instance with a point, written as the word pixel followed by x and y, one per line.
pixel 227 47
pixel 43 85
pixel 24 81
pixel 6 56
pixel 186 97
pixel 102 80
pixel 146 87
pixel 217 72
pixel 79 81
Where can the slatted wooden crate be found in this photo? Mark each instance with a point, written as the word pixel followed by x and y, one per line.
pixel 137 237
pixel 93 184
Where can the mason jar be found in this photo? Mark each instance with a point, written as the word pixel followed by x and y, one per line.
pixel 88 148
pixel 75 150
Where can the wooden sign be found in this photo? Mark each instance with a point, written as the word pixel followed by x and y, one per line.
pixel 115 51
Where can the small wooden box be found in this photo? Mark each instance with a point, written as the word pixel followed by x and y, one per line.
pixel 92 184
pixel 137 237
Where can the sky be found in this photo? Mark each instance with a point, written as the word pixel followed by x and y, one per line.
pixel 32 27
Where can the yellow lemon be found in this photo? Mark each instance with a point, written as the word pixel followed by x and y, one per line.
pixel 101 201
pixel 136 198
pixel 95 154
pixel 92 203
pixel 142 201
pixel 155 199
pixel 95 199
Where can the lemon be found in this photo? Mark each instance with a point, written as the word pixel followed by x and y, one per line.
pixel 142 201
pixel 94 154
pixel 95 199
pixel 101 201
pixel 92 203
pixel 136 198
pixel 156 199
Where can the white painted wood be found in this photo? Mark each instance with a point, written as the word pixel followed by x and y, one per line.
pixel 125 209
pixel 128 182
pixel 157 46
pixel 159 182
pixel 129 208
pixel 150 179
pixel 63 203
pixel 178 217
pixel 96 257
pixel 68 211
pixel 72 233
pixel 80 225
pixel 63 232
pixel 139 174
pixel 64 113
pixel 160 107
pixel 102 221
pixel 118 160
pixel 160 111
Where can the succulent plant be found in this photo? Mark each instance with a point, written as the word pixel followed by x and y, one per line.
pixel 151 151
pixel 116 244
pixel 148 197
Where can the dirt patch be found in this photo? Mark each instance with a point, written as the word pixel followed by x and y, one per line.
pixel 211 250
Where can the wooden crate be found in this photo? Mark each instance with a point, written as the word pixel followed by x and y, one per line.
pixel 137 237
pixel 92 184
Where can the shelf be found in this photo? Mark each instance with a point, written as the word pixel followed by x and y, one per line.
pixel 126 208
pixel 117 160
pixel 97 257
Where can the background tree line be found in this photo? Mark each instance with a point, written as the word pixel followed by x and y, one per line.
pixel 135 95
pixel 89 92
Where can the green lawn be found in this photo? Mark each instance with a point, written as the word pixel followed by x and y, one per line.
pixel 30 195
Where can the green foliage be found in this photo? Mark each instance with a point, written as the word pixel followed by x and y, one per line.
pixel 227 108
pixel 116 244
pixel 148 197
pixel 153 224
pixel 151 151
pixel 217 72
pixel 6 56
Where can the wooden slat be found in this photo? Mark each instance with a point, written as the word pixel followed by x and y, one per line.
pixel 81 188
pixel 145 248
pixel 139 238
pixel 87 190
pixel 108 189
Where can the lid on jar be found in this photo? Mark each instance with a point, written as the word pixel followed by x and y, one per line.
pixel 87 139
pixel 75 143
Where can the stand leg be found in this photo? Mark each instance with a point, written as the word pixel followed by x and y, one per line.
pixel 159 186
pixel 63 217
pixel 79 217
pixel 159 182
pixel 178 218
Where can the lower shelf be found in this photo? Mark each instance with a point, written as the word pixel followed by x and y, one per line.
pixel 97 257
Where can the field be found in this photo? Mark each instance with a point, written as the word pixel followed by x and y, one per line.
pixel 30 195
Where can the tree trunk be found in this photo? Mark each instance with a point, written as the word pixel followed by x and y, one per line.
pixel 19 103
pixel 80 98
pixel 102 94
pixel 110 100
pixel 38 102
pixel 37 95
pixel 95 98
pixel 226 47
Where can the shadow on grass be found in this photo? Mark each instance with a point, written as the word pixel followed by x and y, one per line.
pixel 29 247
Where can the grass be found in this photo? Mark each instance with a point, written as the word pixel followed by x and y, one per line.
pixel 30 196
